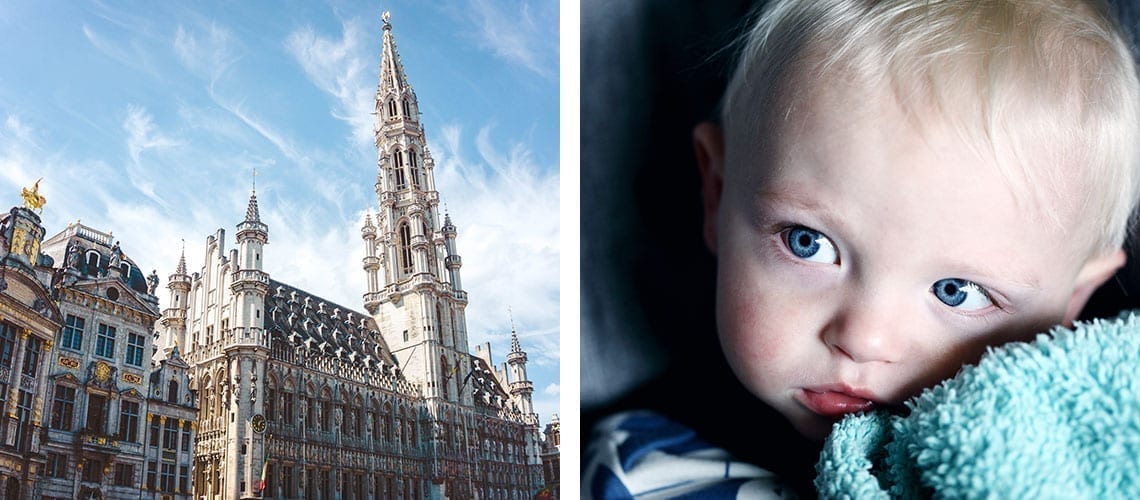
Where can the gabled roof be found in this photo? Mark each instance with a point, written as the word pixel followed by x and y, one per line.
pixel 306 321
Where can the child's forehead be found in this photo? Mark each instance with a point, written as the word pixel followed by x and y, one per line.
pixel 853 124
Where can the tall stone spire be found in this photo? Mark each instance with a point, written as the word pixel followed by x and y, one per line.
pixel 410 259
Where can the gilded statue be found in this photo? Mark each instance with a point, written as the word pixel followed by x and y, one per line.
pixel 32 197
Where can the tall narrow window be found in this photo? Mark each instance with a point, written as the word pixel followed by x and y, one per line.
pixel 166 479
pixel 105 341
pixel 129 421
pixel 172 392
pixel 7 344
pixel 135 345
pixel 407 109
pixel 398 160
pixel 392 108
pixel 73 333
pixel 63 408
pixel 96 413
pixel 155 429
pixel 186 430
pixel 170 434
pixel 414 165
pixel 24 418
pixel 405 249
pixel 270 404
pixel 33 347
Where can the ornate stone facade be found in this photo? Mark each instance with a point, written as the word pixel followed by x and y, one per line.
pixel 304 398
pixel 108 432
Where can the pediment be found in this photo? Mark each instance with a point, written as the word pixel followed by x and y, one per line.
pixel 66 377
pixel 131 393
pixel 113 290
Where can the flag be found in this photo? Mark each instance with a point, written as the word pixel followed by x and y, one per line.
pixel 264 472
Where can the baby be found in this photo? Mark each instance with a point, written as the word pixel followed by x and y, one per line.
pixel 900 184
pixel 893 187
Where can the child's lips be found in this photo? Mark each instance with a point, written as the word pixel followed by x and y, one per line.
pixel 835 401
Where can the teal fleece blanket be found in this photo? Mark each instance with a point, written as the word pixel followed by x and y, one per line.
pixel 1058 417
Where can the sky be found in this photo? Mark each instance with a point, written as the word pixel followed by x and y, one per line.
pixel 149 119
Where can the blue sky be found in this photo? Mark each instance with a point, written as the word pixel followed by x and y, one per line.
pixel 147 119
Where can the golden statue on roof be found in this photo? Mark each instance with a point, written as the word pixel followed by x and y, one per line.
pixel 32 198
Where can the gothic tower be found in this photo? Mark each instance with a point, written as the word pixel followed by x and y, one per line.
pixel 226 344
pixel 521 387
pixel 414 292
pixel 247 350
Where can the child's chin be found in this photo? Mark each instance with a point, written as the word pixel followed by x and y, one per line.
pixel 815 428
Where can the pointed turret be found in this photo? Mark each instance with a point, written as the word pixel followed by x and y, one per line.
pixel 521 387
pixel 173 321
pixel 452 261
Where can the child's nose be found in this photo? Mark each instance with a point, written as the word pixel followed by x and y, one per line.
pixel 866 333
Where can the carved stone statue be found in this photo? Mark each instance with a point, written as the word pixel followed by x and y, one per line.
pixel 116 255
pixel 73 258
pixel 152 282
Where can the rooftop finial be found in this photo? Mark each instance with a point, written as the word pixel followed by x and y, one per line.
pixel 254 180
pixel 387 17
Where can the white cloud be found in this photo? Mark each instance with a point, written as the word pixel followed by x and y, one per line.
pixel 209 54
pixel 553 389
pixel 131 55
pixel 519 33
pixel 339 67
pixel 142 133
pixel 505 208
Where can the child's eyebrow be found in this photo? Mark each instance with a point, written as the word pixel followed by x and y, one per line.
pixel 790 198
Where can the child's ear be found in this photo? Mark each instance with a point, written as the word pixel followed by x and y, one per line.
pixel 1095 272
pixel 708 141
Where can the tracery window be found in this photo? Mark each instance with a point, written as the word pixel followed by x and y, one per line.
pixel 398 159
pixel 405 248
pixel 414 167
pixel 392 108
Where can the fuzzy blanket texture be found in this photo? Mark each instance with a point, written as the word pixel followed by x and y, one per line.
pixel 1058 417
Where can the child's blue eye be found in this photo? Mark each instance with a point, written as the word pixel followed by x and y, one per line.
pixel 961 294
pixel 810 245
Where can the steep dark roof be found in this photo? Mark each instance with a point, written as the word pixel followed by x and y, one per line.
pixel 304 320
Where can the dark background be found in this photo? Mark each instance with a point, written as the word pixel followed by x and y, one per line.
pixel 650 71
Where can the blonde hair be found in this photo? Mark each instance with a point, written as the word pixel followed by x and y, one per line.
pixel 1015 77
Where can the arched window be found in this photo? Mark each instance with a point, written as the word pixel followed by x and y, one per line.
pixel 172 391
pixel 392 108
pixel 207 397
pixel 407 109
pixel 415 168
pixel 431 263
pixel 398 159
pixel 405 249
pixel 92 263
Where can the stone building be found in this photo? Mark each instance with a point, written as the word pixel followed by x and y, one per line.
pixel 29 320
pixel 551 457
pixel 76 345
pixel 301 397
pixel 100 400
